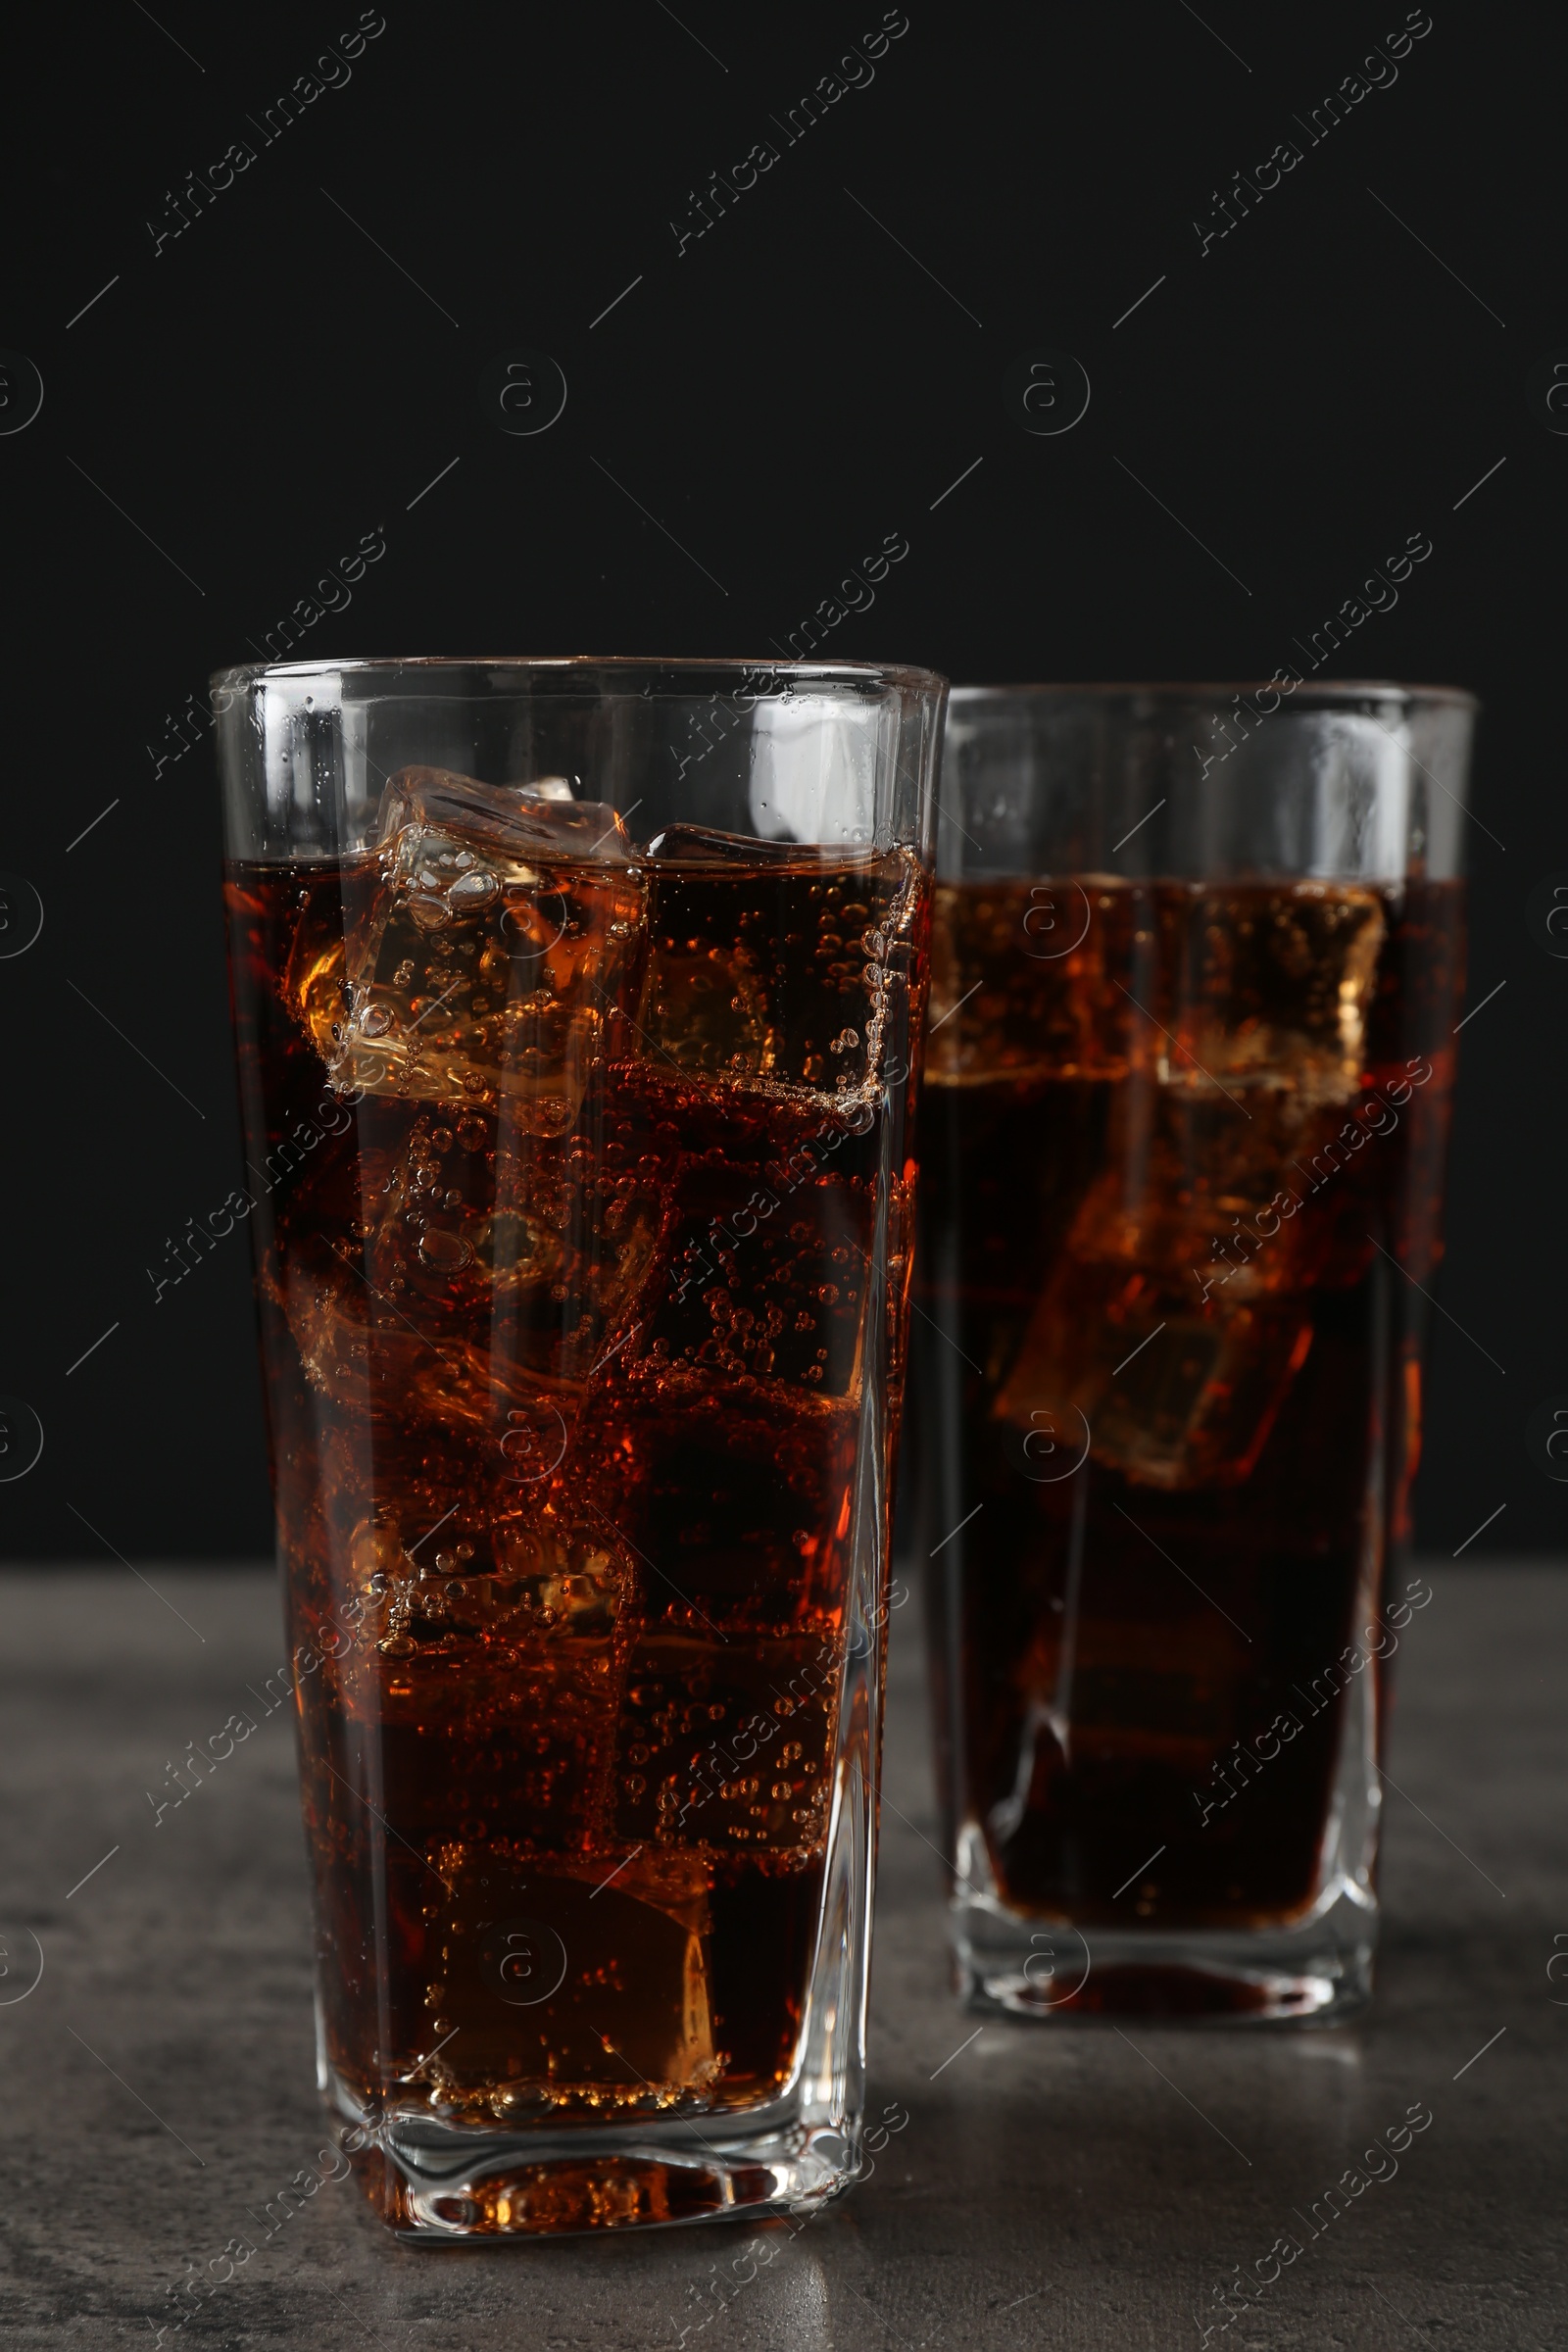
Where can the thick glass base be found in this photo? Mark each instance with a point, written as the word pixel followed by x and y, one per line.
pixel 430 2181
pixel 1317 1971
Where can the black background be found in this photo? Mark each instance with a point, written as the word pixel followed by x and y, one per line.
pixel 818 370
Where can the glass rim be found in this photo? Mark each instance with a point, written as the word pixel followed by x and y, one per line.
pixel 1178 690
pixel 868 675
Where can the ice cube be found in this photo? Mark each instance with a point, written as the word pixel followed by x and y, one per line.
pixel 780 1283
pixel 515 1615
pixel 776 961
pixel 442 809
pixel 535 1250
pixel 1173 1396
pixel 1019 981
pixel 534 1959
pixel 750 1241
pixel 500 954
pixel 736 1496
pixel 704 844
pixel 1170 1322
pixel 388 1302
pixel 727 1747
pixel 1180 1309
pixel 1269 990
pixel 535 1581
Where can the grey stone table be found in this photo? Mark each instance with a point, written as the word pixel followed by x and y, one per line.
pixel 1053 2186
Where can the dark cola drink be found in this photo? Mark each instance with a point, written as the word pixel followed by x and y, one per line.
pixel 583 1224
pixel 1182 1160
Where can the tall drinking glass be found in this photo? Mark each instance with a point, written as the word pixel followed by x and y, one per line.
pixel 574 1004
pixel 1196 973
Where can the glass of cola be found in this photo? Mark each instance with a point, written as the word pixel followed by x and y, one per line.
pixel 1197 965
pixel 575 1003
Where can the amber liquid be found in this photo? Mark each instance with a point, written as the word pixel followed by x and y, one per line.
pixel 1180 1181
pixel 576 1271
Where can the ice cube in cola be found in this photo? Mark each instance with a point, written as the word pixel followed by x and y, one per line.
pixel 504 936
pixel 728 990
pixel 1163 1330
